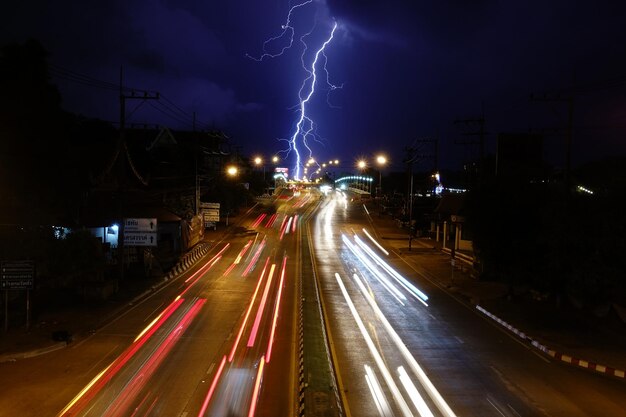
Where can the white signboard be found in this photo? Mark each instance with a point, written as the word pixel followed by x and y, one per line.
pixel 140 239
pixel 211 215
pixel 210 205
pixel 140 225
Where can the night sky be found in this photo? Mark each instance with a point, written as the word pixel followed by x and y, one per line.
pixel 408 69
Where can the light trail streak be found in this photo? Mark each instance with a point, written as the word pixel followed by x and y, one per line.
pixel 271 220
pixel 257 386
pixel 375 242
pixel 209 264
pixel 243 325
pixel 258 220
pixel 397 396
pixel 419 372
pixel 377 393
pixel 282 225
pixel 124 399
pixel 216 378
pixel 84 391
pixel 280 290
pixel 238 258
pixel 198 275
pixel 259 314
pixel 255 258
pixel 288 226
pixel 414 395
pixel 380 277
pixel 283 228
pixel 166 312
pixel 90 391
pixel 295 220
pixel 138 407
pixel 419 295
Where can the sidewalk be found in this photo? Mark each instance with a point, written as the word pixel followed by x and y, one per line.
pixel 564 333
pixel 71 323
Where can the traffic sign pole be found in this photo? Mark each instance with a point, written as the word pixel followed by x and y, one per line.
pixel 6 311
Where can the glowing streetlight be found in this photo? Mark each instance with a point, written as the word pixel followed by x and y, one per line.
pixel 381 160
pixel 274 159
pixel 232 170
pixel 258 160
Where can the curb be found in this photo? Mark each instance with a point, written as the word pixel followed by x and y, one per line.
pixel 188 260
pixel 12 357
pixel 559 356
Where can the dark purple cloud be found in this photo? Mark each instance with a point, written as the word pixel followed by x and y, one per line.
pixel 408 69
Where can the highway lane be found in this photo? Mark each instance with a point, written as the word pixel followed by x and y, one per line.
pixel 476 368
pixel 191 326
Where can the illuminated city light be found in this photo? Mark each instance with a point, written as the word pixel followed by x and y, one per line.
pixel 584 190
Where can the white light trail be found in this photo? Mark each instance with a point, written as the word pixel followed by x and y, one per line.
pixel 379 397
pixel 397 396
pixel 419 295
pixel 380 277
pixel 419 372
pixel 375 242
pixel 414 395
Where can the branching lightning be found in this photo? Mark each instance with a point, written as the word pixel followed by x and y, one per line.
pixel 299 142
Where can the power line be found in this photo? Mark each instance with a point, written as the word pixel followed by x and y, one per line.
pixel 169 108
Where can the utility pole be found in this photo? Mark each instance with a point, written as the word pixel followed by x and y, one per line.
pixel 122 152
pixel 197 180
pixel 412 156
pixel 472 128
pixel 568 135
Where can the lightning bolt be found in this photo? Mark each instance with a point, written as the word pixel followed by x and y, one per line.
pixel 288 32
pixel 305 126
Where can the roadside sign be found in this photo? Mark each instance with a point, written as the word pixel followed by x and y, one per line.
pixel 210 215
pixel 18 275
pixel 210 205
pixel 140 225
pixel 140 239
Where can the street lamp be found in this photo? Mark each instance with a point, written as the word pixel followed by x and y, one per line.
pixel 362 165
pixel 258 161
pixel 381 160
pixel 232 170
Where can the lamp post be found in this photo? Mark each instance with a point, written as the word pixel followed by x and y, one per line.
pixel 381 160
pixel 362 165
pixel 258 161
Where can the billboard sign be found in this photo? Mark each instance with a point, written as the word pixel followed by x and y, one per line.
pixel 18 275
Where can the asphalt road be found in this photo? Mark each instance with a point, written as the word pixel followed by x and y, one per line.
pixel 218 340
pixel 200 346
pixel 404 346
